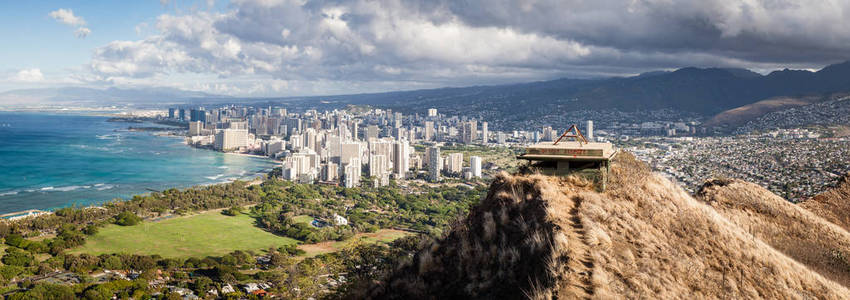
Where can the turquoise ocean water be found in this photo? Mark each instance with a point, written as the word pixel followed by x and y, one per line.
pixel 56 160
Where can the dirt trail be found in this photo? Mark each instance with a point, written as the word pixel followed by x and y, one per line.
pixel 583 263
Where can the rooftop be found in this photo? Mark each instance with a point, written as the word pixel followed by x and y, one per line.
pixel 569 150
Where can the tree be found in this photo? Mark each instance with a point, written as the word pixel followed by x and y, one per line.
pixel 17 257
pixel 14 240
pixel 202 285
pixel 127 218
pixel 45 291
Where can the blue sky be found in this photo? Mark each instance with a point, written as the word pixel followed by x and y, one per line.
pixel 317 47
pixel 35 40
pixel 38 41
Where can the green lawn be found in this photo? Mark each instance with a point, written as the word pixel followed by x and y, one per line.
pixel 302 219
pixel 206 234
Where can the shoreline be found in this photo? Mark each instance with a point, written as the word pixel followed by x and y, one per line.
pixel 255 177
pixel 252 155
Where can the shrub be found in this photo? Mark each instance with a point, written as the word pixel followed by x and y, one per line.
pixel 233 211
pixel 90 230
pixel 127 218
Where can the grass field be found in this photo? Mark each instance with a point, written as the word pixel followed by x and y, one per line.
pixel 381 236
pixel 302 219
pixel 205 234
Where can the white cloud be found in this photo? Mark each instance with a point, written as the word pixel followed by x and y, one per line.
pixel 29 75
pixel 67 17
pixel 82 32
pixel 334 43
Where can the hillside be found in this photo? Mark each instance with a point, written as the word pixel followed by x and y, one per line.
pixel 789 228
pixel 832 205
pixel 738 116
pixel 544 237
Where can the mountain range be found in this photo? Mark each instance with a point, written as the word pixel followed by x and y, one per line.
pixel 703 91
pixel 81 96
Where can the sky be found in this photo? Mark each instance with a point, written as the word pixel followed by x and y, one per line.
pixel 273 48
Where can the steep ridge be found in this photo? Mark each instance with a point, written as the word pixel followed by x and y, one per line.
pixel 553 238
pixel 832 205
pixel 789 228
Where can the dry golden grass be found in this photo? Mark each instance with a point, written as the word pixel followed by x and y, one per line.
pixel 541 237
pixel 740 115
pixel 832 205
pixel 789 228
pixel 821 246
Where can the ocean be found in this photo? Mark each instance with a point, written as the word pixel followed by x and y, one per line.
pixel 53 160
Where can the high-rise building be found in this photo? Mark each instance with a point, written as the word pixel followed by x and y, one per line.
pixel 296 142
pixel 377 165
pixel 329 172
pixel 310 138
pixel 501 138
pixel 197 115
pixel 237 125
pixel 475 166
pixel 397 120
pixel 429 131
pixel 434 163
pixel 195 128
pixel 454 163
pixel 181 114
pixel 401 159
pixel 350 151
pixel 231 139
pixel 275 146
pixel 548 133
pixel 432 112
pixel 372 132
pixel 590 130
pixel 351 175
pixel 485 133
pixel 468 133
pixel 171 113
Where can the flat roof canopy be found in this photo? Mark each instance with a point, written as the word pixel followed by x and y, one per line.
pixel 569 150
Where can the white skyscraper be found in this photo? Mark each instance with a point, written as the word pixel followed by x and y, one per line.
pixel 454 163
pixel 351 177
pixel 475 166
pixel 350 151
pixel 296 142
pixel 590 130
pixel 432 112
pixel 377 165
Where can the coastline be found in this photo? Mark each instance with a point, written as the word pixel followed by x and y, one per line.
pixel 50 196
pixel 252 155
